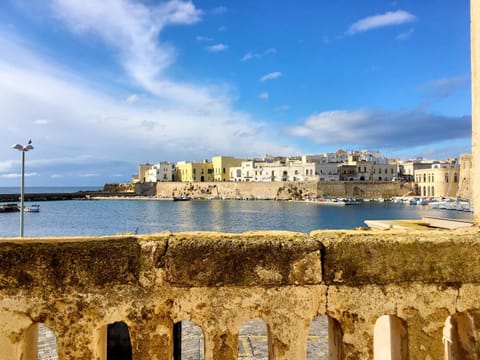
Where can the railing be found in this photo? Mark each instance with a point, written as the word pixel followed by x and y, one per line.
pixel 388 295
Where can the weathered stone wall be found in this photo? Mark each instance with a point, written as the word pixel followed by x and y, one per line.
pixel 236 190
pixel 284 190
pixel 77 286
pixel 361 189
pixel 119 188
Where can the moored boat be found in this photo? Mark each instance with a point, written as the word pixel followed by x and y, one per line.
pixel 32 208
pixel 9 207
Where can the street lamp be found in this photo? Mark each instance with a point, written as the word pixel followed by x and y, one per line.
pixel 23 149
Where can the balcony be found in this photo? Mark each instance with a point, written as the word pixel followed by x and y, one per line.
pixel 388 295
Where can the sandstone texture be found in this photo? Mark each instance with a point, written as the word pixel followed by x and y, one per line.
pixel 78 286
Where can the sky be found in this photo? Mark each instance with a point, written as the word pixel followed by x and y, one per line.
pixel 103 86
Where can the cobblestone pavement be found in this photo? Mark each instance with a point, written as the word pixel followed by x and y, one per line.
pixel 252 342
pixel 47 347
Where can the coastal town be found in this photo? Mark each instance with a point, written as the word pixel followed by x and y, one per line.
pixel 427 178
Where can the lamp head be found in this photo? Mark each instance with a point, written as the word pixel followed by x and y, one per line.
pixel 18 147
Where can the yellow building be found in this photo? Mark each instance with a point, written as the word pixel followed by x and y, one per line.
pixel 222 165
pixel 439 180
pixel 194 172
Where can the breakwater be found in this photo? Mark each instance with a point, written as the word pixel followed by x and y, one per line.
pixel 79 195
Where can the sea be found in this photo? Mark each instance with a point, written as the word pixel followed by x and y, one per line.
pixel 109 217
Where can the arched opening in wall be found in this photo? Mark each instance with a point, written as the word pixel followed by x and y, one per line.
pixel 119 346
pixel 188 341
pixel 459 337
pixel 253 340
pixel 40 343
pixel 390 339
pixel 325 339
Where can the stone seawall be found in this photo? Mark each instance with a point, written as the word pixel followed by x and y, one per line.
pixel 284 190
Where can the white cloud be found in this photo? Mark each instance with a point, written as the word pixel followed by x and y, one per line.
pixel 222 28
pixel 16 176
pixel 101 133
pixel 217 48
pixel 133 98
pixel 271 76
pixel 133 30
pixel 388 19
pixel 446 87
pixel 219 10
pixel 255 55
pixel 203 38
pixel 384 129
pixel 249 56
pixel 40 122
pixel 264 96
pixel 405 35
pixel 270 51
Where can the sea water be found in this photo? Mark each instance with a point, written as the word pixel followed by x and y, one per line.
pixel 107 217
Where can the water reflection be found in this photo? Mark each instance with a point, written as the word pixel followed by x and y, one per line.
pixel 63 218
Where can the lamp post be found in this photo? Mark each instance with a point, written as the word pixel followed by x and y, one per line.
pixel 23 149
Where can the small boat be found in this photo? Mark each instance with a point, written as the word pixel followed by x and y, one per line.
pixel 32 208
pixel 181 198
pixel 9 207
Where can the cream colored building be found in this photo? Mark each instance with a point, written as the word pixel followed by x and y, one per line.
pixel 194 171
pixel 441 180
pixel 222 166
pixel 142 173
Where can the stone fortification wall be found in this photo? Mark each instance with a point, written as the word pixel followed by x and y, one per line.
pixel 239 190
pixel 284 190
pixel 361 189
pixel 119 188
pixel 77 286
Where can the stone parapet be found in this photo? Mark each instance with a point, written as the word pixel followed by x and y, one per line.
pixel 417 280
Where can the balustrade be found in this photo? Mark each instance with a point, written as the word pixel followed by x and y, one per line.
pixel 392 295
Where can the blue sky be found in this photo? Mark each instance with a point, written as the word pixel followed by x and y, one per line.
pixel 101 86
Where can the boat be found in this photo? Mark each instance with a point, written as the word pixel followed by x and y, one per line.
pixel 9 207
pixel 181 198
pixel 32 208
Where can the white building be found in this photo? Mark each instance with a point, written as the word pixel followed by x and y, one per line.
pixel 284 170
pixel 163 171
pixel 327 171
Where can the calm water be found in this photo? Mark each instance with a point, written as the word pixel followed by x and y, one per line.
pixel 106 217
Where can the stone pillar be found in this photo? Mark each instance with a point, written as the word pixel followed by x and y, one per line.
pixel 18 337
pixel 221 345
pixel 475 58
pixel 151 341
pixel 289 340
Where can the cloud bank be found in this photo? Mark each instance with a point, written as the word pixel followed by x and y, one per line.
pixel 381 129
